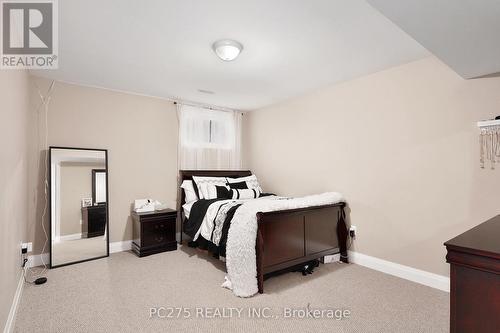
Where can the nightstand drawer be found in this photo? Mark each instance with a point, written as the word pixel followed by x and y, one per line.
pixel 159 231
pixel 153 239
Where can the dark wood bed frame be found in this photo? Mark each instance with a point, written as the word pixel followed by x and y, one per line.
pixel 285 238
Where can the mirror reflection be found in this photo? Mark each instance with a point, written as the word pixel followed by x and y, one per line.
pixel 78 205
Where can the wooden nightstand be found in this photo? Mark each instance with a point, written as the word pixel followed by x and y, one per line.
pixel 154 232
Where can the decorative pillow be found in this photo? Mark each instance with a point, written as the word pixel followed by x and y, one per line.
pixel 218 192
pixel 189 191
pixel 214 191
pixel 245 194
pixel 202 182
pixel 238 186
pixel 251 181
pixel 223 192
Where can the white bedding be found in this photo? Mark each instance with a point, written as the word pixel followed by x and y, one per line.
pixel 208 221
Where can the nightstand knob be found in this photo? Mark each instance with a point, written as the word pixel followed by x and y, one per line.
pixel 159 239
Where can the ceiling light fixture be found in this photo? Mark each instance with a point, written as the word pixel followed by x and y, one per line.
pixel 227 49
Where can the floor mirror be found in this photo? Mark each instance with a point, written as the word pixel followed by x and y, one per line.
pixel 79 219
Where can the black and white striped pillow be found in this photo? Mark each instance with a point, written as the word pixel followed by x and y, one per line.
pixel 225 192
pixel 251 193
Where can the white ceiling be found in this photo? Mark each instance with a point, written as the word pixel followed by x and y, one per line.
pixel 163 47
pixel 464 34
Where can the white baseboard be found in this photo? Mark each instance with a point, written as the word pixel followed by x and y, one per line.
pixel 332 258
pixel 70 237
pixel 9 325
pixel 120 246
pixel 36 260
pixel 405 272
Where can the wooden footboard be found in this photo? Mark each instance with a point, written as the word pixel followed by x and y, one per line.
pixel 290 237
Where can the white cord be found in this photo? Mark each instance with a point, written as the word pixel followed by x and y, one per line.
pixel 45 103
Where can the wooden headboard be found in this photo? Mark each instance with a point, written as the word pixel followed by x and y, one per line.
pixel 188 175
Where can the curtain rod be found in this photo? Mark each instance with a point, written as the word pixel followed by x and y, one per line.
pixel 204 106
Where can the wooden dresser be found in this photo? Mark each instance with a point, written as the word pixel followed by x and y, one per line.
pixel 474 257
pixel 154 232
pixel 93 221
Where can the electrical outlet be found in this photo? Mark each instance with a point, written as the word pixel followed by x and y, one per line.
pixel 27 246
pixel 25 260
pixel 353 231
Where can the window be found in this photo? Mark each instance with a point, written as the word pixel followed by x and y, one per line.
pixel 203 128
pixel 208 139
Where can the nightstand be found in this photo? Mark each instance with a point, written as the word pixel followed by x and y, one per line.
pixel 154 232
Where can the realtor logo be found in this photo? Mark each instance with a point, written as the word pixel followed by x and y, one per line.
pixel 29 34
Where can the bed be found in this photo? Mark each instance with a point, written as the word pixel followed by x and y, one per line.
pixel 284 238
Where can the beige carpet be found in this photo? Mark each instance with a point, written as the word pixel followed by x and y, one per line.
pixel 115 295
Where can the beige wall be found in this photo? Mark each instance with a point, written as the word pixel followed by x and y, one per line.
pixel 76 184
pixel 401 145
pixel 14 95
pixel 139 132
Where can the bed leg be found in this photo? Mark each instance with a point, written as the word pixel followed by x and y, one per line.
pixel 259 251
pixel 178 222
pixel 261 284
pixel 342 236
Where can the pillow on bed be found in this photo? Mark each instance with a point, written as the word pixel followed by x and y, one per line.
pixel 223 192
pixel 189 191
pixel 238 186
pixel 214 191
pixel 187 208
pixel 244 194
pixel 201 184
pixel 218 192
pixel 251 182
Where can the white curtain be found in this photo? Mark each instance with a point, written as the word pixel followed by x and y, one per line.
pixel 208 139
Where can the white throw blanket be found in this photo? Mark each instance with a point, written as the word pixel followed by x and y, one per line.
pixel 240 249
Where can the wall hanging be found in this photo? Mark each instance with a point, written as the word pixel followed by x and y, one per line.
pixel 489 142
